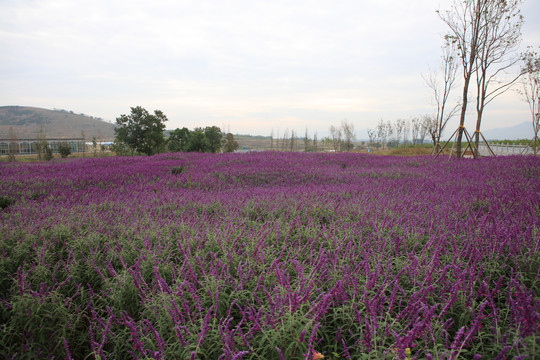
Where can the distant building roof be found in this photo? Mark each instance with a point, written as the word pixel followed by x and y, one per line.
pixel 46 139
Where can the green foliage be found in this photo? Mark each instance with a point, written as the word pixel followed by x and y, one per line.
pixel 5 202
pixel 48 155
pixel 208 139
pixel 118 147
pixel 178 140
pixel 177 170
pixel 230 144
pixel 42 147
pixel 141 131
pixel 40 325
pixel 214 136
pixel 125 296
pixel 64 149
pixel 198 141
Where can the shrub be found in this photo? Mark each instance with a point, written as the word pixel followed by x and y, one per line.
pixel 64 149
pixel 48 153
pixel 5 202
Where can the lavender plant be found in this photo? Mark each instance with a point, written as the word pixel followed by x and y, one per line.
pixel 270 256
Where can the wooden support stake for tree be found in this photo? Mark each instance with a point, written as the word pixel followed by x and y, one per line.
pixel 525 148
pixel 442 149
pixel 485 142
pixel 469 144
pixel 534 147
pixel 454 143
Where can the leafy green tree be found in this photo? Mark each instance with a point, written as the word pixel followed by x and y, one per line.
pixel 178 140
pixel 214 136
pixel 141 131
pixel 198 141
pixel 64 149
pixel 230 144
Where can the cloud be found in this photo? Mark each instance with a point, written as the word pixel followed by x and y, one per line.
pixel 233 60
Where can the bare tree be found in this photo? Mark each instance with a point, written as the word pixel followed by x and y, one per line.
pixel 531 91
pixel 336 136
pixel 83 135
pixel 389 131
pixel 442 87
pixel 430 123
pixel 415 129
pixel 382 132
pixel 399 127
pixel 101 143
pixel 13 147
pixel 406 130
pixel 306 141
pixel 272 139
pixel 315 145
pixel 349 135
pixel 42 145
pixel 500 36
pixel 484 33
pixel 285 140
pixel 94 145
pixel 464 21
pixel 372 135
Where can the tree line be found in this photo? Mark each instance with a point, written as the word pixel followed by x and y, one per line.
pixel 209 139
pixel 403 132
pixel 340 138
pixel 141 132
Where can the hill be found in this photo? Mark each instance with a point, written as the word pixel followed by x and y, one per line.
pixel 523 130
pixel 62 124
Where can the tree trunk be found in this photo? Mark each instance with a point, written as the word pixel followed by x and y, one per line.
pixel 477 132
pixel 462 115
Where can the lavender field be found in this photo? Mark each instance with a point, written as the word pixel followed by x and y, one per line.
pixel 270 256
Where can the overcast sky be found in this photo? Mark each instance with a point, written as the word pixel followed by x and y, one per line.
pixel 245 65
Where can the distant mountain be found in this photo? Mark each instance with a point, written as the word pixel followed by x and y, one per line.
pixel 519 131
pixel 27 122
